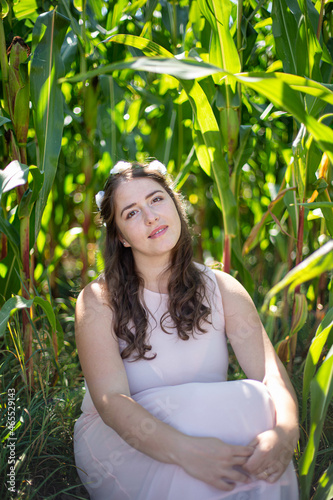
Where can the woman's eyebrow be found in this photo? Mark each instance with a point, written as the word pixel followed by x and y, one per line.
pixel 135 203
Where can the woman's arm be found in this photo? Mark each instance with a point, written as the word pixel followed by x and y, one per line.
pixel 259 361
pixel 208 459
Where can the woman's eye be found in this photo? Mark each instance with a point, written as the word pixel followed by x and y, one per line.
pixel 130 214
pixel 158 198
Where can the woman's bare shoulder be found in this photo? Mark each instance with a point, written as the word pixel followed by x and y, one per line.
pixel 232 291
pixel 95 291
pixel 93 303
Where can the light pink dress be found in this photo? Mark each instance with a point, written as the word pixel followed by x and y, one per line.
pixel 184 386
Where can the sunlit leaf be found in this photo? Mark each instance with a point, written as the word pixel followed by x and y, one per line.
pixel 253 238
pixel 4 120
pixel 9 281
pixel 321 389
pixel 15 174
pixel 18 302
pixel 9 308
pixel 26 9
pixel 270 85
pixel 300 313
pixel 324 334
pixel 324 489
pixel 317 204
pixel 47 100
pixel 147 46
pixel 319 262
pixel 284 31
pixel 223 52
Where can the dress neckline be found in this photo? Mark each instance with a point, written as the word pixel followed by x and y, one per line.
pixel 155 293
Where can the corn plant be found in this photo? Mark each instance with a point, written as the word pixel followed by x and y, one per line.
pixel 21 83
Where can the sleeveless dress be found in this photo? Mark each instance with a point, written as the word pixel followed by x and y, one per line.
pixel 186 387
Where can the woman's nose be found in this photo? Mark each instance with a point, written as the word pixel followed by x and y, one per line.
pixel 150 217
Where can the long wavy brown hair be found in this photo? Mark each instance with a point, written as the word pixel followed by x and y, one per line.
pixel 187 304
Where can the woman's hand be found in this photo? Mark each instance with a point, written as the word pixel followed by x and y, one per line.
pixel 215 462
pixel 273 452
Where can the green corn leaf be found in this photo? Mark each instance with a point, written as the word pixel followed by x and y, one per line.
pixel 4 120
pixel 25 206
pixel 115 14
pixel 18 302
pixel 238 263
pixel 300 313
pixel 310 87
pixel 326 207
pixel 324 332
pixel 327 210
pixel 4 9
pixel 11 233
pixel 284 31
pixel 185 170
pixel 290 199
pixel 179 68
pixel 283 96
pixel 37 182
pixel 47 99
pixel 15 174
pixel 319 262
pixel 307 41
pixel 212 140
pixel 240 157
pixel 18 78
pixel 243 152
pixel 324 489
pixel 321 389
pixel 132 7
pixel 190 68
pixel 9 278
pixel 26 10
pixel 299 163
pixel 223 52
pixel 147 46
pixel 201 149
pixel 12 305
pixel 74 23
pixel 317 204
pixel 274 87
pixel 134 115
pixel 48 309
pixel 253 238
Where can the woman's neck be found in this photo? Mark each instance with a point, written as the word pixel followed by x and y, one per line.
pixel 155 275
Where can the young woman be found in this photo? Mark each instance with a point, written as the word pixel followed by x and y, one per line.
pixel 159 420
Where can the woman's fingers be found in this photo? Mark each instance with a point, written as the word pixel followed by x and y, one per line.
pixel 270 475
pixel 274 477
pixel 225 485
pixel 239 454
pixel 270 457
pixel 242 451
pixel 238 475
pixel 254 442
pixel 236 460
pixel 217 463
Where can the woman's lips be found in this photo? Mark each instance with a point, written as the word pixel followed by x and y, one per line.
pixel 158 232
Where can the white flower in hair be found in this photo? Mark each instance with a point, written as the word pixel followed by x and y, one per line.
pixel 99 198
pixel 120 167
pixel 157 165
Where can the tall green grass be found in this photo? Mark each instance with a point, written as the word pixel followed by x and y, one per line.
pixel 44 415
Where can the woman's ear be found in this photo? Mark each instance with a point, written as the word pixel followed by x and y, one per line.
pixel 123 241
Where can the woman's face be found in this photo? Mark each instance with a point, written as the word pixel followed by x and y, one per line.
pixel 146 218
